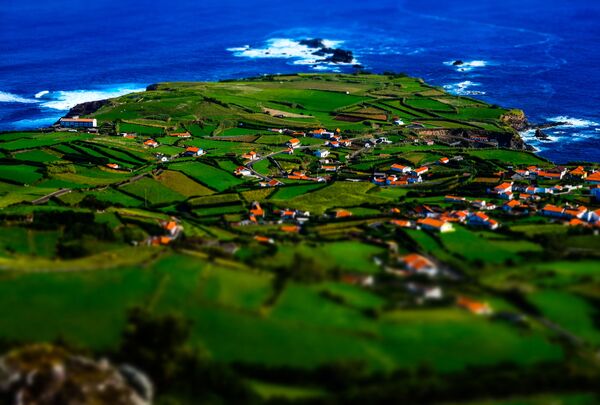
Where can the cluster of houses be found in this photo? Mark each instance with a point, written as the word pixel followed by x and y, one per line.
pixel 172 230
pixel 401 175
pixel 576 216
pixel 290 220
pixel 438 220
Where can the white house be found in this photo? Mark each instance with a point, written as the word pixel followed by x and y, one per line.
pixel 321 153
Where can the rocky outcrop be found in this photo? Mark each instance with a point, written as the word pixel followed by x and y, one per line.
pixel 87 108
pixel 515 119
pixel 471 137
pixel 46 374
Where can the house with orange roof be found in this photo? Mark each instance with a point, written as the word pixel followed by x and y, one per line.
pixel 444 161
pixel 270 183
pixel 400 168
pixel 578 212
pixel 504 188
pixel 578 172
pixel 321 133
pixel 113 166
pixel 420 171
pixel 454 199
pixel 346 142
pixel 510 205
pixel 576 222
pixel 550 210
pixel 432 224
pixel 264 240
pixel 76 122
pixel 289 151
pixel 341 213
pixel 290 228
pixel 151 143
pixel 256 209
pixel 594 178
pixel 475 307
pixel 415 263
pixel 181 134
pixel 293 143
pixel 329 168
pixel 288 214
pixel 403 223
pixel 193 151
pixel 251 156
pixel 170 227
pixel 482 220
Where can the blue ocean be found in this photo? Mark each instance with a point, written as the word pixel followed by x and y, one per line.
pixel 541 56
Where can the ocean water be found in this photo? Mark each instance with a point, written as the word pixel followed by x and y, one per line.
pixel 541 56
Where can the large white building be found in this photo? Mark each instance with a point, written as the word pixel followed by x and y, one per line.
pixel 76 122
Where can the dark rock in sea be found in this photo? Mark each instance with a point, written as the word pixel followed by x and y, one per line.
pixel 340 56
pixel 551 125
pixel 313 43
pixel 86 108
pixel 458 63
pixel 539 134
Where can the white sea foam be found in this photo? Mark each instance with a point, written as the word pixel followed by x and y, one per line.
pixel 573 122
pixel 462 88
pixel 41 94
pixel 64 100
pixel 467 66
pixel 13 98
pixel 285 48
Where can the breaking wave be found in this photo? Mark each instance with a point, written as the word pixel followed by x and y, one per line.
pixel 286 48
pixel 13 98
pixel 64 100
pixel 41 94
pixel 462 88
pixel 467 66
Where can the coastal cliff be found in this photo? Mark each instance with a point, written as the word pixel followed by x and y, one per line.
pixel 86 108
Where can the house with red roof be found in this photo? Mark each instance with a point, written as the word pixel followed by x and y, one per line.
pixel 444 161
pixel 242 171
